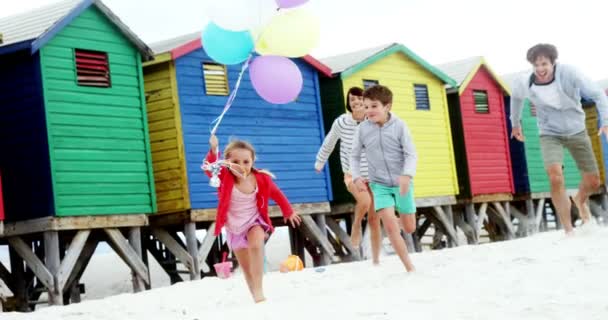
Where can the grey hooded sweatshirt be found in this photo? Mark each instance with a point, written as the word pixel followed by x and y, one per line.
pixel 389 149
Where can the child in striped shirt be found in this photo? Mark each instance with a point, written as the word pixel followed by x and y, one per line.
pixel 343 129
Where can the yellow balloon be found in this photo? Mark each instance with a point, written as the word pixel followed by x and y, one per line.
pixel 293 33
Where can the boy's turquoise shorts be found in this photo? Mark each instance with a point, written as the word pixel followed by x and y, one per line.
pixel 386 197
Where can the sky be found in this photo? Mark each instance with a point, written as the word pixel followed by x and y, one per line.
pixel 437 30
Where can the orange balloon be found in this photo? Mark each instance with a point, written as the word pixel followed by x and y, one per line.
pixel 292 263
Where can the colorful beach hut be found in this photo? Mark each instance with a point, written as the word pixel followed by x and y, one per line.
pixel 186 90
pixel 419 99
pixel 478 120
pixel 73 128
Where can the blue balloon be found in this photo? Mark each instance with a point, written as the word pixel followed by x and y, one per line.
pixel 226 46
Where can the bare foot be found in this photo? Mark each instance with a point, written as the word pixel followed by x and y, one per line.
pixel 583 209
pixel 259 298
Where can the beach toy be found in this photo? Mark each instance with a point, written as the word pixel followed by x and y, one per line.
pixel 292 263
pixel 224 268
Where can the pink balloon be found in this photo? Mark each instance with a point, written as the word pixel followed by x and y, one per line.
pixel 276 79
pixel 285 4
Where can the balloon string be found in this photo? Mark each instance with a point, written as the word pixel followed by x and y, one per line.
pixel 232 96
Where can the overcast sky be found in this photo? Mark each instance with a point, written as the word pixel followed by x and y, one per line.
pixel 437 30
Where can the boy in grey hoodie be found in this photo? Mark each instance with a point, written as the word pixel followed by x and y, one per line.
pixel 391 159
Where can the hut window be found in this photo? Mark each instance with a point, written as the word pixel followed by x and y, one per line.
pixel 216 79
pixel 481 101
pixel 421 93
pixel 532 110
pixel 369 83
pixel 92 68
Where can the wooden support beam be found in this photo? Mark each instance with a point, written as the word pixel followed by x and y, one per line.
pixel 18 273
pixel 505 220
pixel 481 217
pixel 71 258
pixel 7 277
pixel 53 262
pixel 192 246
pixel 205 248
pixel 315 235
pixel 469 232
pixel 540 210
pixel 525 223
pixel 174 247
pixel 321 221
pixel 32 261
pixel 469 211
pixel 343 237
pixel 447 226
pixel 73 223
pixel 135 241
pixel 81 263
pixel 450 215
pixel 126 252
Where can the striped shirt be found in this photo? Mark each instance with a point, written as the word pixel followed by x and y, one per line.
pixel 343 128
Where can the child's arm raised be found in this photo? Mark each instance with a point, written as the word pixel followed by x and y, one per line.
pixel 277 195
pixel 212 154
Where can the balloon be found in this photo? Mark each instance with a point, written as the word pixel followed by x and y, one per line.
pixel 276 79
pixel 293 33
pixel 226 47
pixel 240 15
pixel 285 4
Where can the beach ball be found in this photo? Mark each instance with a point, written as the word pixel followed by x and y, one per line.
pixel 292 263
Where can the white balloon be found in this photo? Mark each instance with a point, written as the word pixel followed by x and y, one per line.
pixel 240 15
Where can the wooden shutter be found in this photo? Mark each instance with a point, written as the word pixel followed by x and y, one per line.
pixel 421 93
pixel 92 68
pixel 216 79
pixel 481 101
pixel 369 83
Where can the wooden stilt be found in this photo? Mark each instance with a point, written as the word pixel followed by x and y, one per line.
pixel 322 223
pixel 540 211
pixel 126 252
pixel 448 226
pixel 53 262
pixel 135 241
pixel 469 232
pixel 343 237
pixel 81 264
pixel 18 273
pixel 469 210
pixel 192 245
pixel 203 251
pixel 481 217
pixel 314 234
pixel 505 219
pixel 174 247
pixel 74 251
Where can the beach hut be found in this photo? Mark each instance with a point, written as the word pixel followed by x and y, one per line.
pixel 73 128
pixel 478 120
pixel 419 98
pixel 186 90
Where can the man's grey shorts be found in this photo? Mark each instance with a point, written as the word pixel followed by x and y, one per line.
pixel 579 146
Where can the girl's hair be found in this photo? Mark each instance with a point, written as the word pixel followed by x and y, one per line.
pixel 240 144
pixel 355 91
pixel 546 50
